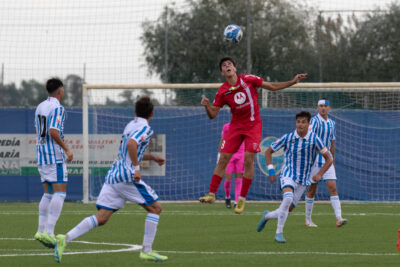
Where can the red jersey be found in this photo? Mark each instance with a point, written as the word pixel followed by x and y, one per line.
pixel 241 98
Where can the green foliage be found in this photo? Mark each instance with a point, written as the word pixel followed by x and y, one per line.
pixel 32 92
pixel 286 38
pixel 280 33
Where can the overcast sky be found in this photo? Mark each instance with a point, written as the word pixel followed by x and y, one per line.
pixel 42 38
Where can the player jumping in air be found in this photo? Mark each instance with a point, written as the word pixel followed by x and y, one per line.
pixel 51 154
pixel 240 94
pixel 123 183
pixel 324 127
pixel 301 148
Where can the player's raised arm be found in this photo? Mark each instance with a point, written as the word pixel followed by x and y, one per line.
pixel 211 110
pixel 328 162
pixel 276 86
pixel 271 170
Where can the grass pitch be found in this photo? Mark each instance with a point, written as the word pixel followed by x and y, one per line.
pixel 194 234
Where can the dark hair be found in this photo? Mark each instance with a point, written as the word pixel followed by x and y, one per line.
pixel 144 107
pixel 304 114
pixel 53 84
pixel 222 60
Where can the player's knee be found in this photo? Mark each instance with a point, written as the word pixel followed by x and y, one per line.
pixel 223 161
pixel 155 208
pixel 333 192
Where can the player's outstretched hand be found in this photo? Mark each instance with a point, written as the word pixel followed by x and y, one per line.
pixel 205 101
pixel 300 77
pixel 137 176
pixel 160 161
pixel 70 155
pixel 272 179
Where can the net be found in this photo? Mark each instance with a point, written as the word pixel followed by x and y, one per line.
pixel 367 118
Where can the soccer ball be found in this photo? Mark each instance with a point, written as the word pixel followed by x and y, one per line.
pixel 233 33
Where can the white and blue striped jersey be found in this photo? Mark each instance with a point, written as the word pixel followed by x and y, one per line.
pixel 122 169
pixel 325 129
pixel 49 114
pixel 300 154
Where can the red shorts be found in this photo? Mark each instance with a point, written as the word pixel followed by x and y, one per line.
pixel 235 135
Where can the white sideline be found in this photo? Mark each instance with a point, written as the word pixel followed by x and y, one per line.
pixel 215 213
pixel 130 247
pixel 280 253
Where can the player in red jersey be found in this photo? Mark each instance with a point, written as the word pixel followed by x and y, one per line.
pixel 240 94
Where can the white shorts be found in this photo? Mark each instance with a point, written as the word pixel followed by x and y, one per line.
pixel 298 189
pixel 114 196
pixel 329 175
pixel 53 173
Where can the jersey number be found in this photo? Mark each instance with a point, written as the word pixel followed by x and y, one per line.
pixel 42 125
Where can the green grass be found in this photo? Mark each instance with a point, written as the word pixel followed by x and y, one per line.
pixel 194 234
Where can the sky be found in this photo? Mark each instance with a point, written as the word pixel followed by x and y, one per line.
pixel 97 39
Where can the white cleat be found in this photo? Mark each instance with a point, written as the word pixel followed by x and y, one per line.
pixel 310 224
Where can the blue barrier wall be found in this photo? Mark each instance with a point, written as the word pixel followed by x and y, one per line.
pixel 367 159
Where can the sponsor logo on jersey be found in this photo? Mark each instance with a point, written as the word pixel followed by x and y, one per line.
pixel 240 98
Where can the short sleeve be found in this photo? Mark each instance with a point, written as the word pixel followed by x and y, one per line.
pixel 313 125
pixel 219 100
pixel 278 144
pixel 140 135
pixel 254 80
pixel 318 143
pixel 57 118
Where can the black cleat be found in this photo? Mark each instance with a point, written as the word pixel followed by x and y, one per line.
pixel 228 203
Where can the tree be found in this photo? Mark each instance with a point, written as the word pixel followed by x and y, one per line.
pixel 375 47
pixel 32 93
pixel 281 41
pixel 73 90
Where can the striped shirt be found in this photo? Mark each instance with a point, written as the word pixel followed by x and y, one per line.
pixel 122 169
pixel 49 115
pixel 325 129
pixel 300 154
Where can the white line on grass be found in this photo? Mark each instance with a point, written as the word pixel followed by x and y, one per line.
pixel 280 253
pixel 129 247
pixel 200 213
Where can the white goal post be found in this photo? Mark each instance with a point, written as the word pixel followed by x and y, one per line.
pixel 268 100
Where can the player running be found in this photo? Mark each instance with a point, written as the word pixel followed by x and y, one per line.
pixel 50 156
pixel 324 127
pixel 123 183
pixel 240 94
pixel 234 167
pixel 301 148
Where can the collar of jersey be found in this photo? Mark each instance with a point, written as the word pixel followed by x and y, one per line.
pixel 322 118
pixel 298 136
pixel 51 98
pixel 142 120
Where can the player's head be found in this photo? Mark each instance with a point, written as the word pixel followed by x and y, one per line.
pixel 302 122
pixel 323 106
pixel 227 67
pixel 55 87
pixel 144 107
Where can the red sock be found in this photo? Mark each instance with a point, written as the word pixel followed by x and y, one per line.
pixel 215 181
pixel 246 182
